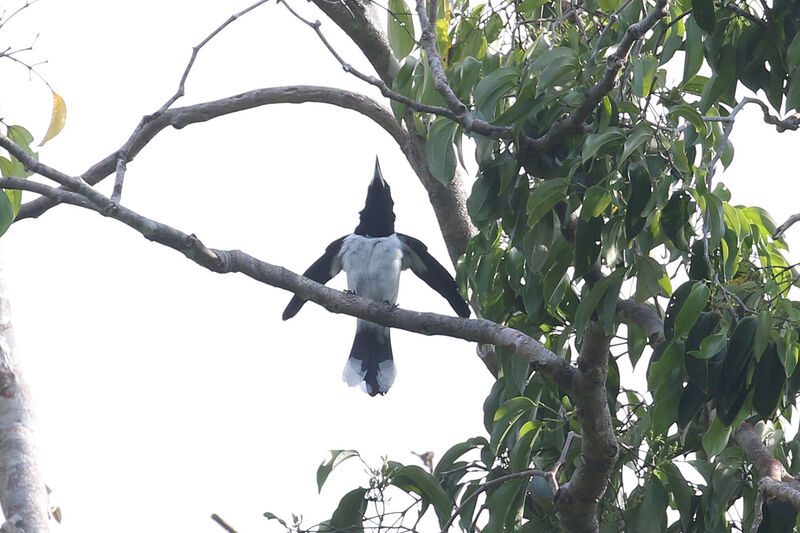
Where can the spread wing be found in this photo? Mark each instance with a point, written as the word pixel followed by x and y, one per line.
pixel 429 270
pixel 321 271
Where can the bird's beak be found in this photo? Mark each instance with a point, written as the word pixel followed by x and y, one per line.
pixel 378 175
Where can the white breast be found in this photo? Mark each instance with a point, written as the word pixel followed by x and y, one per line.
pixel 373 266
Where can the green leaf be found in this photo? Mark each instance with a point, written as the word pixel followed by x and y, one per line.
pixel 504 419
pixel 440 153
pixel 690 311
pixel 653 512
pixel 595 201
pixel 6 213
pixel 455 452
pixel 712 345
pixel 492 88
pixel 769 379
pixel 716 438
pixel 349 515
pixel 641 134
pixel 691 115
pixel 403 84
pixel 793 52
pixel 739 349
pixel 336 458
pixel 694 51
pixel 400 28
pixel 761 337
pixel 521 453
pixel 602 142
pixel 659 370
pixel 644 73
pixel 414 479
pixel 703 11
pixel 793 92
pixel 544 197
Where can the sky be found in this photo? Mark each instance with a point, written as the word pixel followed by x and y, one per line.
pixel 165 392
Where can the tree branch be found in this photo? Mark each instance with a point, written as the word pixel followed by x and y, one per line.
pixel 228 261
pixel 773 479
pixel 780 230
pixel 576 500
pixel 180 117
pixel 644 317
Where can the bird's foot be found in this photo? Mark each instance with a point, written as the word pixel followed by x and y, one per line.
pixel 393 305
pixel 348 291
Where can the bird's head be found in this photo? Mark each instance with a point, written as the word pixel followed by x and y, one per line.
pixel 377 217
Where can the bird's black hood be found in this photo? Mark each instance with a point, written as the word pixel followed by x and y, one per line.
pixel 377 217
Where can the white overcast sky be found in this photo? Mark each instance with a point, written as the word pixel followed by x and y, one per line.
pixel 165 392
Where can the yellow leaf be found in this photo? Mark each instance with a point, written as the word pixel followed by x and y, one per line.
pixel 57 120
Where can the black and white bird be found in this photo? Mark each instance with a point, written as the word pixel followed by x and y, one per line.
pixel 373 257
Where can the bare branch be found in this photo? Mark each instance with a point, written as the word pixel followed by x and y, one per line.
pixel 222 523
pixel 196 50
pixel 180 117
pixel 773 479
pixel 780 230
pixel 644 317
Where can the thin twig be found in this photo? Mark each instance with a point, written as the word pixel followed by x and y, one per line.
pixel 12 15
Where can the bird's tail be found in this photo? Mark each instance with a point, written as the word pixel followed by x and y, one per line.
pixel 370 362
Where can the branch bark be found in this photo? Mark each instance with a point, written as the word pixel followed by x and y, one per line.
pixel 23 495
pixel 773 479
pixel 576 500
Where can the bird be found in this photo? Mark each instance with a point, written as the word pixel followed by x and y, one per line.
pixel 373 257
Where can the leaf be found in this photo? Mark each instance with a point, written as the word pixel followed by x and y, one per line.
pixel 769 379
pixel 761 337
pixel 640 135
pixel 793 92
pixel 739 349
pixel 349 515
pixel 712 345
pixel 440 153
pixel 716 438
pixel 602 142
pixel 703 11
pixel 403 84
pixel 414 479
pixel 644 73
pixel 450 456
pixel 493 87
pixel 595 201
pixel 544 197
pixel 336 458
pixel 690 311
pixel 692 400
pixel 653 512
pixel 690 115
pixel 694 50
pixel 6 213
pixel 505 417
pixel 521 453
pixel 57 120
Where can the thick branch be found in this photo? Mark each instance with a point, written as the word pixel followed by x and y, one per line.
pixel 773 479
pixel 22 492
pixel 644 317
pixel 786 225
pixel 183 116
pixel 228 261
pixel 577 499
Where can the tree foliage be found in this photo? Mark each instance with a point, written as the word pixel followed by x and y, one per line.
pixel 590 194
pixel 598 127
